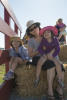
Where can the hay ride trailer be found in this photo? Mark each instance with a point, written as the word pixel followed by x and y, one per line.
pixel 7 86
pixel 5 28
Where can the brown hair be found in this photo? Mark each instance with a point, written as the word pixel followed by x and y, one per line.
pixel 15 38
pixel 28 32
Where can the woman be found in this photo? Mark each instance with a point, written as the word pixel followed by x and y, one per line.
pixel 32 31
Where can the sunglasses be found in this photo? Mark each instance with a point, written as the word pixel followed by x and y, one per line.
pixel 32 28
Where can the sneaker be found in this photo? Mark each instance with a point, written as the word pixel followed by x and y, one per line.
pixel 9 75
pixel 61 83
pixel 36 82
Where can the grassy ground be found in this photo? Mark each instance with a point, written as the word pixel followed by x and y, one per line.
pixel 2 72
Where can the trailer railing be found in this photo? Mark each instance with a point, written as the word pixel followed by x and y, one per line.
pixel 6 29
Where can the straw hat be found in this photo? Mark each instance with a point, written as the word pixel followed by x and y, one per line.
pixel 30 23
pixel 15 38
pixel 50 28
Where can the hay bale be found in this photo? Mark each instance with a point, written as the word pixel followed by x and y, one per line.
pixel 63 53
pixel 25 81
pixel 65 76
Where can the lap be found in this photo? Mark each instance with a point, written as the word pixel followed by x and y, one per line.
pixel 47 65
pixel 16 60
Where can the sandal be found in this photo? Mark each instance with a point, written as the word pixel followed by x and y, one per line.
pixel 61 97
pixel 61 83
pixel 51 97
pixel 36 82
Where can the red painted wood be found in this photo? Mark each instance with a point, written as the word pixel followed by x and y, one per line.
pixel 11 13
pixel 5 90
pixel 7 42
pixel 7 39
pixel 6 17
pixel 4 57
pixel 6 87
pixel 0 52
pixel 16 28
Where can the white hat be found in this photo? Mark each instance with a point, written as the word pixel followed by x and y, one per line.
pixel 31 22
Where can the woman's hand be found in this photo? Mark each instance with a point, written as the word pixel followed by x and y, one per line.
pixel 32 53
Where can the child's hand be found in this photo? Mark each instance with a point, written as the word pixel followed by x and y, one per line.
pixel 44 56
pixel 49 56
pixel 24 61
pixel 44 48
pixel 52 51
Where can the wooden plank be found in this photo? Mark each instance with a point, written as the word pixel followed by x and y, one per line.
pixel 9 9
pixel 5 28
pixel 5 90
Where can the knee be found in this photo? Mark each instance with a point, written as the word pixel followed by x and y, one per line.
pixel 16 60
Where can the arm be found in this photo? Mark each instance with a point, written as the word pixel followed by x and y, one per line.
pixel 49 55
pixel 42 48
pixel 57 48
pixel 52 51
pixel 65 38
pixel 60 35
pixel 55 51
pixel 31 52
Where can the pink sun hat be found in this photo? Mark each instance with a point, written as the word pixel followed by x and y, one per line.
pixel 51 28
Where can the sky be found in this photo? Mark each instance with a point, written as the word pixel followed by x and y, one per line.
pixel 44 11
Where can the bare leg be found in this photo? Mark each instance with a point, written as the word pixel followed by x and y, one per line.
pixel 50 78
pixel 58 68
pixel 39 66
pixel 59 89
pixel 11 62
pixel 15 62
pixel 38 70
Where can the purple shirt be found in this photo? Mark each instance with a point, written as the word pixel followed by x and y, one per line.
pixel 46 47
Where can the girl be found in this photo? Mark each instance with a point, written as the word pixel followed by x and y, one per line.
pixel 62 34
pixel 33 29
pixel 49 49
pixel 18 54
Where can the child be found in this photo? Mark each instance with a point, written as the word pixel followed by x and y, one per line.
pixel 59 22
pixel 18 54
pixel 49 49
pixel 62 34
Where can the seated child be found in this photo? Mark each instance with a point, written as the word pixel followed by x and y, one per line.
pixel 62 34
pixel 59 22
pixel 61 31
pixel 49 49
pixel 18 55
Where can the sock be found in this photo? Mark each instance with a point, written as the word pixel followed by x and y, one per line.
pixel 11 70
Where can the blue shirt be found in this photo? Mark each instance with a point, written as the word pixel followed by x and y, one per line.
pixel 22 52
